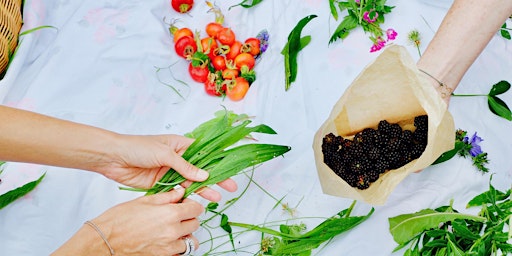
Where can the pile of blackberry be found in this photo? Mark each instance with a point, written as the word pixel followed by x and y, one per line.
pixel 371 152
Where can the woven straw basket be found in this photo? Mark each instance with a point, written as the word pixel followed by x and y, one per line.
pixel 10 25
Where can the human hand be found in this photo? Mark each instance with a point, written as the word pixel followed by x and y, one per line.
pixel 140 161
pixel 148 225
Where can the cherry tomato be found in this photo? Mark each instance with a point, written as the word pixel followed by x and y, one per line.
pixel 252 46
pixel 211 87
pixel 230 73
pixel 213 28
pixel 199 74
pixel 182 6
pixel 238 89
pixel 244 59
pixel 219 62
pixel 209 46
pixel 234 50
pixel 186 46
pixel 226 36
pixel 181 33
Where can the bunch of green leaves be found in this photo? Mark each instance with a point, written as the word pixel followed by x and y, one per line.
pixel 445 231
pixel 496 105
pixel 292 48
pixel 213 150
pixel 354 17
pixel 463 148
pixel 247 3
pixel 12 195
pixel 293 240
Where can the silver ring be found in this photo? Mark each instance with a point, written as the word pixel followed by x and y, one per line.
pixel 190 247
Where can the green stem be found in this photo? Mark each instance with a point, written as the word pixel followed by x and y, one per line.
pixel 260 229
pixel 469 95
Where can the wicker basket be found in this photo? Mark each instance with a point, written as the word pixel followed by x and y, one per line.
pixel 10 25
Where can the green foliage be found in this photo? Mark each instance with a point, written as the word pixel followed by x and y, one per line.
pixel 444 231
pixel 354 17
pixel 212 151
pixel 12 195
pixel 292 48
pixel 505 32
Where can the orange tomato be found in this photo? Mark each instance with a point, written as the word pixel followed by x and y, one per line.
pixel 244 59
pixel 181 33
pixel 213 28
pixel 238 89
pixel 234 50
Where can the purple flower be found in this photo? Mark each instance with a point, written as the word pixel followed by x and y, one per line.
pixel 357 1
pixel 378 44
pixel 263 36
pixel 475 148
pixel 391 34
pixel 366 16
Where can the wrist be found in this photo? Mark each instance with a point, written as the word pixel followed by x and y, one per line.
pixel 85 241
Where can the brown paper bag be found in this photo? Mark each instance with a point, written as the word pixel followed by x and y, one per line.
pixel 391 88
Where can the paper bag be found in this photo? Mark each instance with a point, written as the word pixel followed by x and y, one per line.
pixel 391 88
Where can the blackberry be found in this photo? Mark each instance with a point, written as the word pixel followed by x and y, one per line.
pixel 393 159
pixel 393 144
pixel 395 131
pixel 362 181
pixel 373 153
pixel 420 137
pixel 381 165
pixel 384 127
pixel 421 122
pixel 373 175
pixel 417 150
pixel 349 178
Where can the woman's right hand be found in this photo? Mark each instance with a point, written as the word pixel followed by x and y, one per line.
pixel 149 225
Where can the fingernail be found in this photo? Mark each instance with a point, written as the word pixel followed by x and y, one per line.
pixel 202 174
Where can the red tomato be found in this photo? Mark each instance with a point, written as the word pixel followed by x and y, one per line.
pixel 209 46
pixel 186 46
pixel 211 88
pixel 244 59
pixel 219 62
pixel 199 74
pixel 182 6
pixel 238 89
pixel 230 73
pixel 252 46
pixel 181 33
pixel 213 28
pixel 226 36
pixel 234 50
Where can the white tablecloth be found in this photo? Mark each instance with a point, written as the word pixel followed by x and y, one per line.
pixel 98 66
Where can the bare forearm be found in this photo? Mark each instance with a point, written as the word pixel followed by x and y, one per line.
pixel 465 31
pixel 29 137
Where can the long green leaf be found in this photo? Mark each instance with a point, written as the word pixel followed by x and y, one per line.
pixel 293 47
pixel 247 3
pixel 404 227
pixel 16 193
pixel 348 23
pixel 450 153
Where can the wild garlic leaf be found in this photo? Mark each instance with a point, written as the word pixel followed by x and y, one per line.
pixel 294 45
pixel 12 195
pixel 404 227
pixel 499 88
pixel 499 107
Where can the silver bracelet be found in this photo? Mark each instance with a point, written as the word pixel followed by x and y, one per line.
pixel 90 223
pixel 444 88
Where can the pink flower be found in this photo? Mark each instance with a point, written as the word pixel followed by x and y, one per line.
pixel 366 16
pixel 357 1
pixel 378 44
pixel 391 34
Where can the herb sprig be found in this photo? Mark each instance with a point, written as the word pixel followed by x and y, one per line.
pixel 11 195
pixel 445 231
pixel 367 14
pixel 467 147
pixel 292 48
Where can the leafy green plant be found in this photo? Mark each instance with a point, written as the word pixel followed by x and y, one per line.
pixel 12 195
pixel 213 150
pixel 292 48
pixel 496 105
pixel 445 231
pixel 505 31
